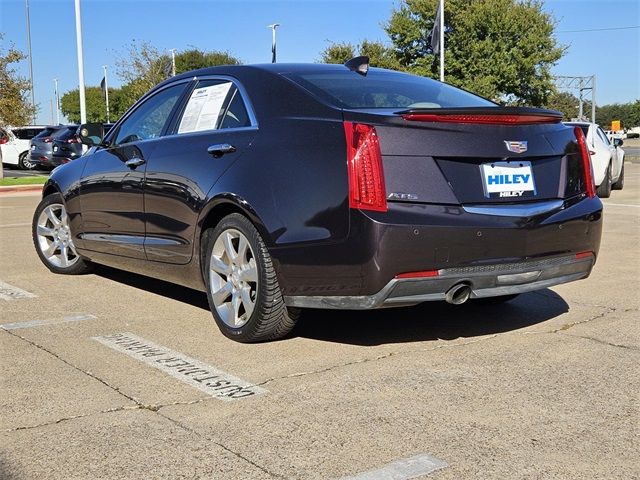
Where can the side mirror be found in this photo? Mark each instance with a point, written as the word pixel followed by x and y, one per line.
pixel 91 134
pixel 617 142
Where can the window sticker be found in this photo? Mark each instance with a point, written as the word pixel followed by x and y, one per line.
pixel 203 108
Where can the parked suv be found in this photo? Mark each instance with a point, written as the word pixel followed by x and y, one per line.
pixel 42 145
pixel 67 145
pixel 14 145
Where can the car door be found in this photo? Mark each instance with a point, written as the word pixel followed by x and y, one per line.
pixel 211 131
pixel 111 187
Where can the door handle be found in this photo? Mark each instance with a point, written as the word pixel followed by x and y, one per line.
pixel 220 149
pixel 135 162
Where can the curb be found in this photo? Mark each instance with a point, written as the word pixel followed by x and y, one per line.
pixel 20 189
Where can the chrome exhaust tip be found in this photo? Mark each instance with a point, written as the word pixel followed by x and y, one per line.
pixel 458 294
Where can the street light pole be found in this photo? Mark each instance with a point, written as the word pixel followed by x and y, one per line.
pixel 33 97
pixel 106 91
pixel 273 27
pixel 83 103
pixel 55 91
pixel 173 61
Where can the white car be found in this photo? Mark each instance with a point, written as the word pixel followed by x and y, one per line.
pixel 15 145
pixel 607 158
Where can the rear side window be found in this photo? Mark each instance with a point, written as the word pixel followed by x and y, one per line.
pixel 384 89
pixel 214 105
pixel 26 133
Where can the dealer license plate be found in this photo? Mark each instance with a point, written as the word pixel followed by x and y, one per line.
pixel 508 179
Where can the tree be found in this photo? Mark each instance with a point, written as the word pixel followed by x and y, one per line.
pixel 95 103
pixel 379 54
pixel 143 66
pixel 15 109
pixel 627 113
pixel 567 103
pixel 500 49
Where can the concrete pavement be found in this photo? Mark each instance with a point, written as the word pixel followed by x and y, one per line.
pixel 545 386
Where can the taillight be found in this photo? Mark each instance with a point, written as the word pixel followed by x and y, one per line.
pixel 587 168
pixel 481 119
pixel 3 140
pixel 364 166
pixel 73 139
pixel 585 254
pixel 48 140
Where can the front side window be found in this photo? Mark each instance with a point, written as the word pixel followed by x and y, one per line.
pixel 603 137
pixel 214 105
pixel 148 120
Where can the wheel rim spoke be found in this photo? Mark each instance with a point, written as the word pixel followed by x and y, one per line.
pixel 52 216
pixel 250 272
pixel 51 250
pixel 236 302
pixel 228 247
pixel 218 265
pixel 222 294
pixel 45 231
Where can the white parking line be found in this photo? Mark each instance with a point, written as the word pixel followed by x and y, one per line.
pixel 404 469
pixel 205 378
pixel 54 321
pixel 607 204
pixel 9 292
pixel 15 225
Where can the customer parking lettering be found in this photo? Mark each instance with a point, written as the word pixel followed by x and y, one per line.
pixel 204 377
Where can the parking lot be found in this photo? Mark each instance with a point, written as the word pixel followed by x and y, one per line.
pixel 113 375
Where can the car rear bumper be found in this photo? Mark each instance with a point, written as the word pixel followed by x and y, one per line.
pixel 484 281
pixel 501 242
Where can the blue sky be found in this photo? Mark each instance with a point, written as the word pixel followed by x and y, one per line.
pixel 308 26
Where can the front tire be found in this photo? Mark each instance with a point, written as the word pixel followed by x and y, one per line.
pixel 242 287
pixel 619 185
pixel 24 163
pixel 53 239
pixel 604 189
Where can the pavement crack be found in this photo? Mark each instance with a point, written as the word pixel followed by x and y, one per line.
pixel 224 447
pixel 86 372
pixel 603 342
pixel 568 326
pixel 375 359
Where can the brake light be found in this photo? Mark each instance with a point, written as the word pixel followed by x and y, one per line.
pixel 481 119
pixel 587 168
pixel 4 140
pixel 73 139
pixel 422 274
pixel 48 140
pixel 364 167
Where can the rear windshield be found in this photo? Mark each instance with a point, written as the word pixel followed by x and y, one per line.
pixel 384 89
pixel 45 133
pixel 65 133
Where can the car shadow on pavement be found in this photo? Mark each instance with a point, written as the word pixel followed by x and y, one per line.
pixel 424 322
pixel 429 321
pixel 153 285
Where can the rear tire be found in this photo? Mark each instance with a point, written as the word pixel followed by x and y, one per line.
pixel 604 190
pixel 619 185
pixel 242 287
pixel 24 163
pixel 53 239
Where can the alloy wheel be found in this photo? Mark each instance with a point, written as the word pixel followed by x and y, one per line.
pixel 233 278
pixel 54 236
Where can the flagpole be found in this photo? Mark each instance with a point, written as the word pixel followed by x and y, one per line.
pixel 106 91
pixel 83 103
pixel 441 40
